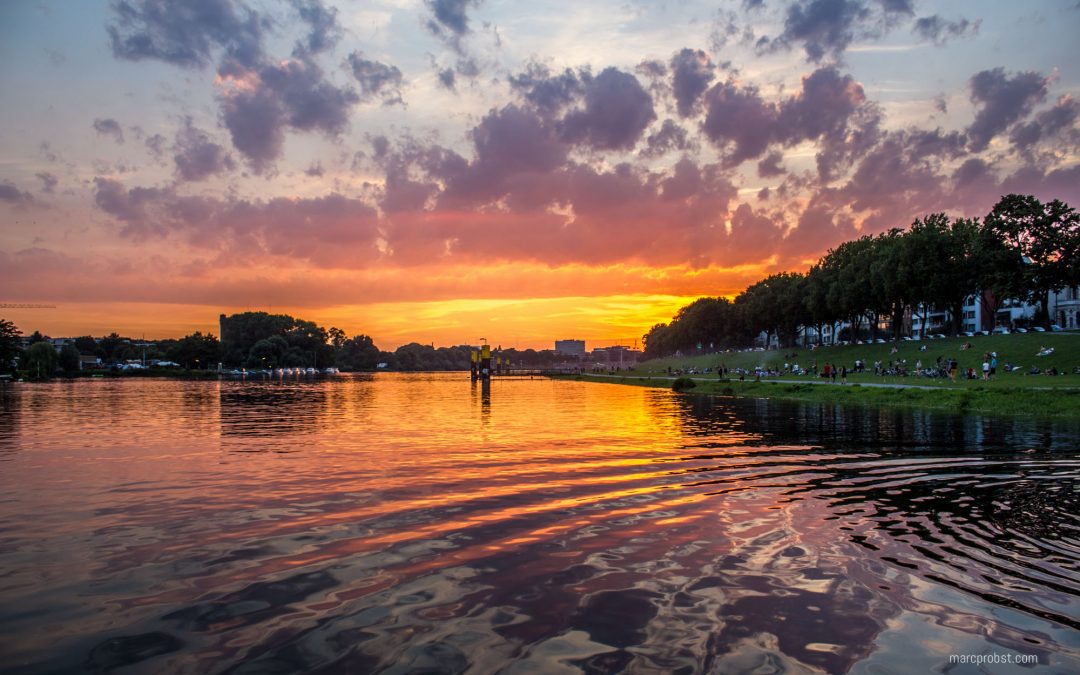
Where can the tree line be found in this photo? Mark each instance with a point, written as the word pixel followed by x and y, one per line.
pixel 1023 249
pixel 252 340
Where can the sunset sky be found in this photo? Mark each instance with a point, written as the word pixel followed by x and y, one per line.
pixel 444 170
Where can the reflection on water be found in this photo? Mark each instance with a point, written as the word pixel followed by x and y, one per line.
pixel 408 523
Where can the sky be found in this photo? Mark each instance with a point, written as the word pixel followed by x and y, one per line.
pixel 444 170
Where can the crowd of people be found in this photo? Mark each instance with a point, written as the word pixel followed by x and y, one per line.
pixel 942 367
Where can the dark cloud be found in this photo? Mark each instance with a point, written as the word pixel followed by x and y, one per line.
pixel 652 69
pixel 822 107
pixel 196 156
pixel 48 181
pixel 377 80
pixel 155 145
pixel 315 170
pixel 324 30
pixel 550 94
pixel 109 127
pixel 290 95
pixel 770 167
pixel 447 79
pixel 824 27
pixel 449 16
pixel 692 71
pixel 740 118
pixel 185 32
pixel 669 137
pixel 1047 124
pixel 330 230
pixel 11 194
pixel 1002 100
pixel 509 142
pixel 617 111
pixel 938 30
pixel 898 7
pixel 830 107
pixel 255 120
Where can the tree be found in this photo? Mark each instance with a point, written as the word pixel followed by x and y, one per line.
pixel 40 360
pixel 197 350
pixel 1048 238
pixel 337 337
pixel 69 358
pixel 10 345
pixel 357 353
pixel 86 345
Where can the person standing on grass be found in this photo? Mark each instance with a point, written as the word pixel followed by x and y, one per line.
pixel 986 369
pixel 993 364
pixel 952 369
pixel 843 374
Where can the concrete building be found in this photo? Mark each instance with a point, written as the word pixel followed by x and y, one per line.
pixel 570 347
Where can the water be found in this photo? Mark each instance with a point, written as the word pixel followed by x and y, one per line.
pixel 415 523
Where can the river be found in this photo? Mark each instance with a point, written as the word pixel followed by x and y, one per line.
pixel 418 523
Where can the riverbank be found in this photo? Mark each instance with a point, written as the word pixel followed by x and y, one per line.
pixel 1056 402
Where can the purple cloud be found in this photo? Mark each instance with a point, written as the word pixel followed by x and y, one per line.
pixel 1002 100
pixel 617 111
pixel 109 127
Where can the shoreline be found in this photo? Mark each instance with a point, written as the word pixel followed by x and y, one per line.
pixel 1052 403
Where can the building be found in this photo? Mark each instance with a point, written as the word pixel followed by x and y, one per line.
pixel 570 347
pixel 616 355
pixel 1065 308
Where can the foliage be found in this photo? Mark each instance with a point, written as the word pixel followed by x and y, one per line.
pixel 9 345
pixel 198 350
pixel 40 360
pixel 682 384
pixel 1022 249
pixel 306 344
pixel 69 358
pixel 357 353
pixel 1047 236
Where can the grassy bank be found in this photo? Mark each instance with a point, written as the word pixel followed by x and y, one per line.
pixel 997 400
pixel 1017 349
pixel 1009 393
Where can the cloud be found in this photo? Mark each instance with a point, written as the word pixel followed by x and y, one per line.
pixel 617 111
pixel 938 30
pixel 48 181
pixel 11 194
pixel 829 107
pixel 155 145
pixel 824 27
pixel 196 156
pixel 739 117
pixel 109 127
pixel 377 80
pixel 449 18
pixel 1058 120
pixel 185 32
pixel 770 167
pixel 551 95
pixel 1001 100
pixel 692 71
pixel 333 230
pixel 669 137
pixel 324 33
pixel 258 107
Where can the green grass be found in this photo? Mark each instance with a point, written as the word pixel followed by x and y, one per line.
pixel 1013 393
pixel 1019 349
pixel 999 400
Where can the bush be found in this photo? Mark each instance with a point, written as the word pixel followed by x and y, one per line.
pixel 682 384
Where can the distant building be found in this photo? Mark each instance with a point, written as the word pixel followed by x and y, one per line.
pixel 617 355
pixel 570 347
